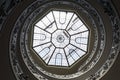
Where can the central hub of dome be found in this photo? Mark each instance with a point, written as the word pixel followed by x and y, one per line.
pixel 60 38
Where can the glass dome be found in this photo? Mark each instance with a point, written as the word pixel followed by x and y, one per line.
pixel 60 38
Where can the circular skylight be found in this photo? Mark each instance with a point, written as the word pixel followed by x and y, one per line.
pixel 60 38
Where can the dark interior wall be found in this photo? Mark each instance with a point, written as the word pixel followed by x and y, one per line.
pixel 114 72
pixel 6 72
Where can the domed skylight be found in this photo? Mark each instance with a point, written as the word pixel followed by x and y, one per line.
pixel 60 38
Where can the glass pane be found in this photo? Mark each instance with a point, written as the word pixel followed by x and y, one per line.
pixel 62 18
pixel 84 34
pixel 80 53
pixel 47 57
pixel 44 51
pixel 46 21
pixel 41 25
pixel 36 30
pixel 83 47
pixel 36 42
pixel 50 17
pixel 81 40
pixel 73 54
pixel 37 49
pixel 36 36
pixel 58 60
pixel 70 60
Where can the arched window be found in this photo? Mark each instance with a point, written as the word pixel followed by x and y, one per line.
pixel 44 52
pixel 58 59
